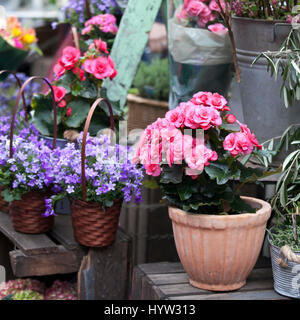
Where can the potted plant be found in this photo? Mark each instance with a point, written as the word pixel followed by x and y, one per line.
pixel 284 235
pixel 195 152
pixel 200 52
pixel 147 100
pixel 27 177
pixel 78 83
pixel 15 44
pixel 263 27
pixel 98 188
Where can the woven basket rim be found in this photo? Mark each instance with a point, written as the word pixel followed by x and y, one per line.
pixel 152 102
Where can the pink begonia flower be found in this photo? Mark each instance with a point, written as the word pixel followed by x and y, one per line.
pixel 101 45
pixel 153 169
pixel 214 5
pixel 202 98
pixel 231 118
pixel 86 30
pixel 218 28
pixel 194 8
pixel 230 144
pixel 217 101
pixel 69 57
pixel 105 22
pixel 80 73
pixel 176 117
pixel 59 93
pixel 88 65
pixel 69 112
pixel 101 67
pixel 250 135
pixel 59 71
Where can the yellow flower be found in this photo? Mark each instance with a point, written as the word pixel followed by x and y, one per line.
pixel 16 32
pixel 28 38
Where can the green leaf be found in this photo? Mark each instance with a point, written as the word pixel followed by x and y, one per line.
pixel 80 109
pixel 221 172
pixel 66 81
pixel 184 192
pixel 7 195
pixel 88 90
pixel 241 206
pixel 171 174
pixel 43 114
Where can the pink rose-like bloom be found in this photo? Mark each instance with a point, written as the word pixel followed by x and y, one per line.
pixel 105 22
pixel 101 45
pixel 194 8
pixel 229 144
pixel 59 71
pixel 153 169
pixel 69 58
pixel 202 98
pixel 175 117
pixel 249 135
pixel 101 67
pixel 217 101
pixel 217 28
pixel 59 93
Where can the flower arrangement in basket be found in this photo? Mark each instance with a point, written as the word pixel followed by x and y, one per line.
pixel 97 177
pixel 77 84
pixel 26 173
pixel 197 154
pixel 15 43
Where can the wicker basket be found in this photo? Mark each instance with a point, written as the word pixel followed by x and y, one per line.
pixel 4 206
pixel 27 214
pixel 142 112
pixel 94 227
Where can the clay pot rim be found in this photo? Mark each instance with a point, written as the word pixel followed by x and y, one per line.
pixel 223 221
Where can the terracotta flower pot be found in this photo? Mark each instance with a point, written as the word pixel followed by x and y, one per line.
pixel 219 252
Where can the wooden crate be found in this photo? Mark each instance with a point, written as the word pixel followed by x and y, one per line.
pixel 168 281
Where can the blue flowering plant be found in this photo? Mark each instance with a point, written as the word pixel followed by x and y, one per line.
pixel 30 167
pixel 9 90
pixel 110 175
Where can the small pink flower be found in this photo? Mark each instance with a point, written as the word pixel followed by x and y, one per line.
pixel 194 8
pixel 59 71
pixel 153 169
pixel 69 58
pixel 101 45
pixel 231 118
pixel 218 28
pixel 217 101
pixel 69 112
pixel 59 93
pixel 176 117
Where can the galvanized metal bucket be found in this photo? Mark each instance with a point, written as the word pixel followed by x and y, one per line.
pixel 286 280
pixel 263 108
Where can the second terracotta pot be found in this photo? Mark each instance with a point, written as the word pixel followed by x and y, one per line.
pixel 219 252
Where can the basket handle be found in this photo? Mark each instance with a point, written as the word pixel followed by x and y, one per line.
pixel 87 8
pixel 20 85
pixel 16 108
pixel 85 131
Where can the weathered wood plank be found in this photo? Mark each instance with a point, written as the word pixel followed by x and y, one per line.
pixel 171 278
pixel 61 262
pixel 248 295
pixel 32 244
pixel 62 231
pixel 186 289
pixel 129 45
pixel 105 273
pixel 161 267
